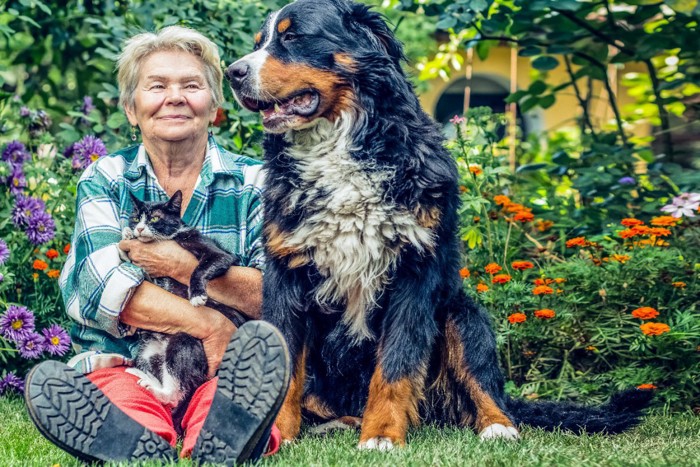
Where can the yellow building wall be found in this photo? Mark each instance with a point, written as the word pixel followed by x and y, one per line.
pixel 566 108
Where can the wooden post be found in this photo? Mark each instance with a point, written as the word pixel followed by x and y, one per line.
pixel 468 75
pixel 513 108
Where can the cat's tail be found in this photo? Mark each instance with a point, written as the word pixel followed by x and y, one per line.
pixel 622 412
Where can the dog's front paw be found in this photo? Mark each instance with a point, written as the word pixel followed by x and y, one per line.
pixel 378 443
pixel 498 431
pixel 199 300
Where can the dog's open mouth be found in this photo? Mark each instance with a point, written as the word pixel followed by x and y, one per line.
pixel 303 103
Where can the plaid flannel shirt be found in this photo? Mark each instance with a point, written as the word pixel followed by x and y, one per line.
pixel 226 206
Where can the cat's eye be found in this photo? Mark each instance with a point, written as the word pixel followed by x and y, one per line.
pixel 155 219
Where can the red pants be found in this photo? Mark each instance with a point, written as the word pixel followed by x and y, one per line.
pixel 140 404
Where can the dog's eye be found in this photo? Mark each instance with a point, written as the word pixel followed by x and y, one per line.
pixel 289 37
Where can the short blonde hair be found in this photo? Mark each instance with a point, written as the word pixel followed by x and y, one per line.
pixel 140 46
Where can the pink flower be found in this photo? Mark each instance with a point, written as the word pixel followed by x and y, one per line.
pixel 457 120
pixel 684 204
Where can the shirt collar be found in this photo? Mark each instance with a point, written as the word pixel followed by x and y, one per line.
pixel 217 161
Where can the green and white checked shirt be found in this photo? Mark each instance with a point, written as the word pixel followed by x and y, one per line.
pixel 226 206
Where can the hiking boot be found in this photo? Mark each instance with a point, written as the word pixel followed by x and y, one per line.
pixel 72 413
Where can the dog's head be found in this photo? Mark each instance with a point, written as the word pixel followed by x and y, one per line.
pixel 307 59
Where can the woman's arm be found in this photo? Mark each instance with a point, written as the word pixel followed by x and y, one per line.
pixel 155 309
pixel 239 288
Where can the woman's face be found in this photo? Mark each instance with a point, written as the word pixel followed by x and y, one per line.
pixel 172 101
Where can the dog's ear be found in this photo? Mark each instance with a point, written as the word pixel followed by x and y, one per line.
pixel 381 34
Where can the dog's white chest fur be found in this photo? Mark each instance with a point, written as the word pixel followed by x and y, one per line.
pixel 352 232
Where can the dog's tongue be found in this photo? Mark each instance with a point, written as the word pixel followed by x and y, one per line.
pixel 303 104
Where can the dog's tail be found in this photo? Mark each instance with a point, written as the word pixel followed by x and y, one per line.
pixel 622 412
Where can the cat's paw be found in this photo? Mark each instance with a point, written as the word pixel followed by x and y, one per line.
pixel 127 233
pixel 145 380
pixel 198 300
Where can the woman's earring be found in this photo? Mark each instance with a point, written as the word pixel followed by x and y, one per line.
pixel 133 133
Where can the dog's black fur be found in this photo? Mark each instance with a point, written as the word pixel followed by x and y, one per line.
pixel 431 354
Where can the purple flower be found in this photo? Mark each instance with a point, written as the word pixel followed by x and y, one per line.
pixel 24 111
pixel 4 252
pixel 87 150
pixel 25 208
pixel 16 322
pixel 627 181
pixel 39 123
pixel 40 228
pixel 18 182
pixel 68 152
pixel 11 382
pixel 31 346
pixel 685 204
pixel 87 106
pixel 56 340
pixel 16 154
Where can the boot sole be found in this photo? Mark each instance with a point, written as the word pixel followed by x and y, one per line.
pixel 70 411
pixel 253 380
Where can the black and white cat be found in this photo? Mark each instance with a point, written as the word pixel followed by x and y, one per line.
pixel 173 366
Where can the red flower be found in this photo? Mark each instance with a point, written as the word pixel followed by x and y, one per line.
pixel 52 254
pixel 630 222
pixel 645 312
pixel 40 265
pixel 522 265
pixel 517 318
pixel 501 278
pixel 543 290
pixel 545 313
pixel 464 273
pixel 577 241
pixel 492 268
pixel 654 329
pixel 647 386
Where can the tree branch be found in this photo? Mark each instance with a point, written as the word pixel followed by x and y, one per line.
pixel 579 97
pixel 663 113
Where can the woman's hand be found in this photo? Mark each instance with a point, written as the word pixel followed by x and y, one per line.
pixel 161 259
pixel 216 342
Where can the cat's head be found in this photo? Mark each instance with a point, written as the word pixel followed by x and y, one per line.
pixel 152 221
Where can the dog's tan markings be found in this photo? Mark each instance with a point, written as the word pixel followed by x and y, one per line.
pixel 280 80
pixel 275 241
pixel 428 217
pixel 487 411
pixel 346 61
pixel 342 423
pixel 258 37
pixel 312 403
pixel 284 25
pixel 391 408
pixel 298 261
pixel 289 417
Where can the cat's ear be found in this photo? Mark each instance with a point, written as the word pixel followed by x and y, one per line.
pixel 175 202
pixel 135 201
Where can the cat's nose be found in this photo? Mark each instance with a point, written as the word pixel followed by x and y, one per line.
pixel 138 230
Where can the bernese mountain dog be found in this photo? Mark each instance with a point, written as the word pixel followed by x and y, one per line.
pixel 360 232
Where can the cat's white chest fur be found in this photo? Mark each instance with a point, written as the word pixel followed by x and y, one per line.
pixel 351 230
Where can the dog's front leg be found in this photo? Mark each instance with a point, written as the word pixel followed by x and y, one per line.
pixel 283 307
pixel 396 387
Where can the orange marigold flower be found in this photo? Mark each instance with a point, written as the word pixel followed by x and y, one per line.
pixel 66 248
pixel 501 278
pixel 679 284
pixel 631 222
pixel 53 273
pixel 646 386
pixel 559 280
pixel 645 312
pixel 627 233
pixel 517 318
pixel 543 290
pixel 475 169
pixel 641 230
pixel 52 254
pixel 660 242
pixel 501 200
pixel 654 329
pixel 545 313
pixel 620 258
pixel 464 273
pixel 539 281
pixel 492 268
pixel 515 207
pixel 35 276
pixel 543 225
pixel 659 232
pixel 524 216
pixel 592 348
pixel 576 241
pixel 40 265
pixel 481 288
pixel 463 189
pixel 665 221
pixel 522 265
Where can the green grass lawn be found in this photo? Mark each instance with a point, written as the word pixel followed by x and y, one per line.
pixel 660 440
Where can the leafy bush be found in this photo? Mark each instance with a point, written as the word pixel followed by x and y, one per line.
pixel 564 304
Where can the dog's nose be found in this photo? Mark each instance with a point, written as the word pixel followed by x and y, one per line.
pixel 237 72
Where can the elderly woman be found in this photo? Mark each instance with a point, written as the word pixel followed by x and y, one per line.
pixel 170 87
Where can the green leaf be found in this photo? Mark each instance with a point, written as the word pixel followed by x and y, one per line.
pixel 516 96
pixel 530 51
pixel 682 6
pixel 537 87
pixel 116 120
pixel 529 103
pixel 545 63
pixel 547 101
pixel 446 23
pixel 531 167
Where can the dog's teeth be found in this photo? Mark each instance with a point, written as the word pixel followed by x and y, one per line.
pixel 277 107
